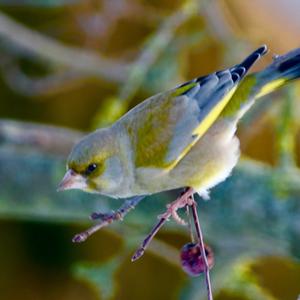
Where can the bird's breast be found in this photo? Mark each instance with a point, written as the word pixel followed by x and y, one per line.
pixel 209 162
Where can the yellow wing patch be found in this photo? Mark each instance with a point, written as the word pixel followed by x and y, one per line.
pixel 270 87
pixel 213 114
pixel 205 125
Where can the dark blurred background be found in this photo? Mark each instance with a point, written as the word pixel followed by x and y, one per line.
pixel 70 66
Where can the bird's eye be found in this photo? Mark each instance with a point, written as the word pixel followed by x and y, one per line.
pixel 91 168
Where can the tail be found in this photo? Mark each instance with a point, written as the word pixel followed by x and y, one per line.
pixel 282 70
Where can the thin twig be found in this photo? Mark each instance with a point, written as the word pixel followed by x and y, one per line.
pixel 20 82
pixel 40 138
pixel 108 218
pixel 202 249
pixel 141 250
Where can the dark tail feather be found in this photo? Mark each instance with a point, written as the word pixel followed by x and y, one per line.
pixel 283 69
pixel 289 65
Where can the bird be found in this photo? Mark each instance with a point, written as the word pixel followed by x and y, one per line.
pixel 181 138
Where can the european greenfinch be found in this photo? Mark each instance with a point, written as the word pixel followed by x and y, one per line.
pixel 184 137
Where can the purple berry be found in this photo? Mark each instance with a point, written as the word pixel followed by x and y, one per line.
pixel 192 261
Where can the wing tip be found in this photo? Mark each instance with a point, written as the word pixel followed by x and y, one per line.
pixel 253 57
pixel 263 49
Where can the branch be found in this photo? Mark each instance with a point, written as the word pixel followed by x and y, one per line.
pixel 20 82
pixel 86 61
pixel 40 138
pixel 202 250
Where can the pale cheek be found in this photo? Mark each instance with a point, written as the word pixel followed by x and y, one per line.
pixel 113 171
pixel 112 176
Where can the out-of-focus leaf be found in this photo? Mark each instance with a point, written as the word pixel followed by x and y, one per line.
pixel 165 71
pixel 286 130
pixel 101 277
pixel 111 110
pixel 246 217
pixel 282 270
pixel 242 281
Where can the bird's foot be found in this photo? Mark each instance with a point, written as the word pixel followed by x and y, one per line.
pixel 107 218
pixel 185 199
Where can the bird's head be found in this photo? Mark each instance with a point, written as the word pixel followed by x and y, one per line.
pixel 94 164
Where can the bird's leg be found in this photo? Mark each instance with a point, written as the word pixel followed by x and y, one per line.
pixel 183 200
pixel 107 218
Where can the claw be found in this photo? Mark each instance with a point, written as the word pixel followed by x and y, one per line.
pixel 178 219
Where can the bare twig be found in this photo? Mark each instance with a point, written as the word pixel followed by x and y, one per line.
pixel 202 249
pixel 141 250
pixel 86 61
pixel 46 139
pixel 49 84
pixel 108 218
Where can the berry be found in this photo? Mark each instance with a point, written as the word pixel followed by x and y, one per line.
pixel 192 261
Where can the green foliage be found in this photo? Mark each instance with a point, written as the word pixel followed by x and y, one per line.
pixel 245 218
pixel 111 110
pixel 100 277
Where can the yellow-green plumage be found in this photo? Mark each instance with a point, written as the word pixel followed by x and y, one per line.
pixel 182 137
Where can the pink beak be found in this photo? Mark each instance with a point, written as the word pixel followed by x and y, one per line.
pixel 72 180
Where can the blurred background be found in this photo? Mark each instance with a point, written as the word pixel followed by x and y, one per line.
pixel 70 66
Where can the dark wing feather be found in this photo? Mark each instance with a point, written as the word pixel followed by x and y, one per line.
pixel 165 127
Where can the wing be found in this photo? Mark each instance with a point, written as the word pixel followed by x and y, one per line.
pixel 163 128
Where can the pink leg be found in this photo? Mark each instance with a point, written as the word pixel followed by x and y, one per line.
pixel 182 201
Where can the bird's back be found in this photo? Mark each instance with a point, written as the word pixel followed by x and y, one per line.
pixel 164 128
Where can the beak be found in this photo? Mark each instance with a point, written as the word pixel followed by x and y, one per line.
pixel 72 180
